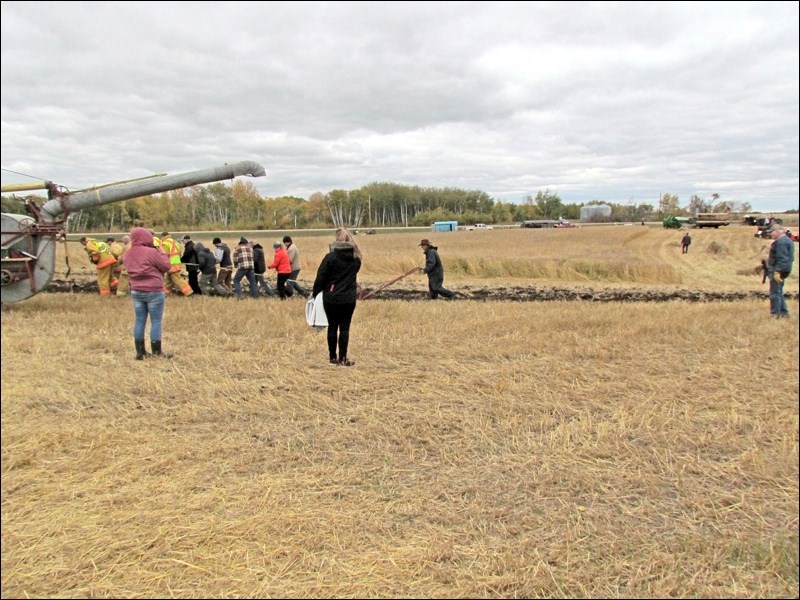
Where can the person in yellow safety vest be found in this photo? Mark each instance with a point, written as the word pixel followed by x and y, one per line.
pixel 174 250
pixel 118 248
pixel 100 254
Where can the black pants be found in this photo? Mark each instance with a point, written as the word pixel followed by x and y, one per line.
pixel 194 280
pixel 339 318
pixel 435 287
pixel 283 291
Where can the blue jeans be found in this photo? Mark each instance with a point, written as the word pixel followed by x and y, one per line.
pixel 251 279
pixel 148 303
pixel 777 301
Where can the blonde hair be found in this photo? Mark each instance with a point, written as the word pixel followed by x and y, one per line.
pixel 342 235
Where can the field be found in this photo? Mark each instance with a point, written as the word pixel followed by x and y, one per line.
pixel 486 447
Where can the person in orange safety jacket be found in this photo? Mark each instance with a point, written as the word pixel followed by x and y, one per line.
pixel 174 250
pixel 100 255
pixel 118 248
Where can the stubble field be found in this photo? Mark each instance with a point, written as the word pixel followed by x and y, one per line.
pixel 485 448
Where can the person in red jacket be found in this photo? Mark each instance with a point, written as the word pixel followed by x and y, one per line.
pixel 283 267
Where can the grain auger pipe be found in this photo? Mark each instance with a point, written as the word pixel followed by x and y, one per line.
pixel 388 283
pixel 28 241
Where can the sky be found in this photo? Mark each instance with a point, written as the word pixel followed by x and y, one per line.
pixel 613 101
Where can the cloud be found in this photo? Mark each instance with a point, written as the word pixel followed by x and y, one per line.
pixel 596 101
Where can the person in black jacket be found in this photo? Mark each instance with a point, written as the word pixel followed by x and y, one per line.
pixel 207 265
pixel 336 279
pixel 686 241
pixel 189 258
pixel 260 261
pixel 435 271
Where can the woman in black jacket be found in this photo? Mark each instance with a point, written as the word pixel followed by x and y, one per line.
pixel 336 279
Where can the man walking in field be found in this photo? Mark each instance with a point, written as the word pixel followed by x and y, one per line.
pixel 435 271
pixel 685 243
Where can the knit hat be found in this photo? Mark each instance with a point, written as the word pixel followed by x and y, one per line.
pixel 242 241
pixel 276 245
pixel 187 237
pixel 216 241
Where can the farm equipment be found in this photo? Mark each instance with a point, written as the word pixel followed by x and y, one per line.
pixel 763 227
pixel 715 220
pixel 28 242
pixel 673 222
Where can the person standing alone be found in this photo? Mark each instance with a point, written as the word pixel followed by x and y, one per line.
pixel 779 267
pixel 336 279
pixel 686 241
pixel 435 271
pixel 146 266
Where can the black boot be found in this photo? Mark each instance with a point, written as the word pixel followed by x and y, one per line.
pixel 156 348
pixel 140 353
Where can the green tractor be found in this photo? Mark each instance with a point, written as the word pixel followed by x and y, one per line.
pixel 673 222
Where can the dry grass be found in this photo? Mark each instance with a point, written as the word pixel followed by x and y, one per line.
pixel 620 256
pixel 475 450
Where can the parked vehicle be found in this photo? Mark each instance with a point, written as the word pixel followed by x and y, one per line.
pixel 539 224
pixel 479 227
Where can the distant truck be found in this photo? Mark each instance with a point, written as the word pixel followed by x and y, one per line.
pixel 539 223
pixel 479 227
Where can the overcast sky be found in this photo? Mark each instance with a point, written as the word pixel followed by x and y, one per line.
pixel 620 102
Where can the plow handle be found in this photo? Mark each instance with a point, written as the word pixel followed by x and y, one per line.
pixel 388 283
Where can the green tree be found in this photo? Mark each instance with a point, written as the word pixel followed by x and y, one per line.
pixel 668 205
pixel 548 204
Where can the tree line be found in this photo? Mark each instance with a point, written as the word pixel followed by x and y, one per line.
pixel 238 206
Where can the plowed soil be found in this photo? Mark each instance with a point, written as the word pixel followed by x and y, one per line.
pixel 517 293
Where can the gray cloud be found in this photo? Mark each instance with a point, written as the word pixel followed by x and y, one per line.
pixel 608 101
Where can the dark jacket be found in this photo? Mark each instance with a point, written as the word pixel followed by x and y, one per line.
pixel 433 264
pixel 225 262
pixel 190 256
pixel 205 259
pixel 336 275
pixel 259 259
pixel 781 256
